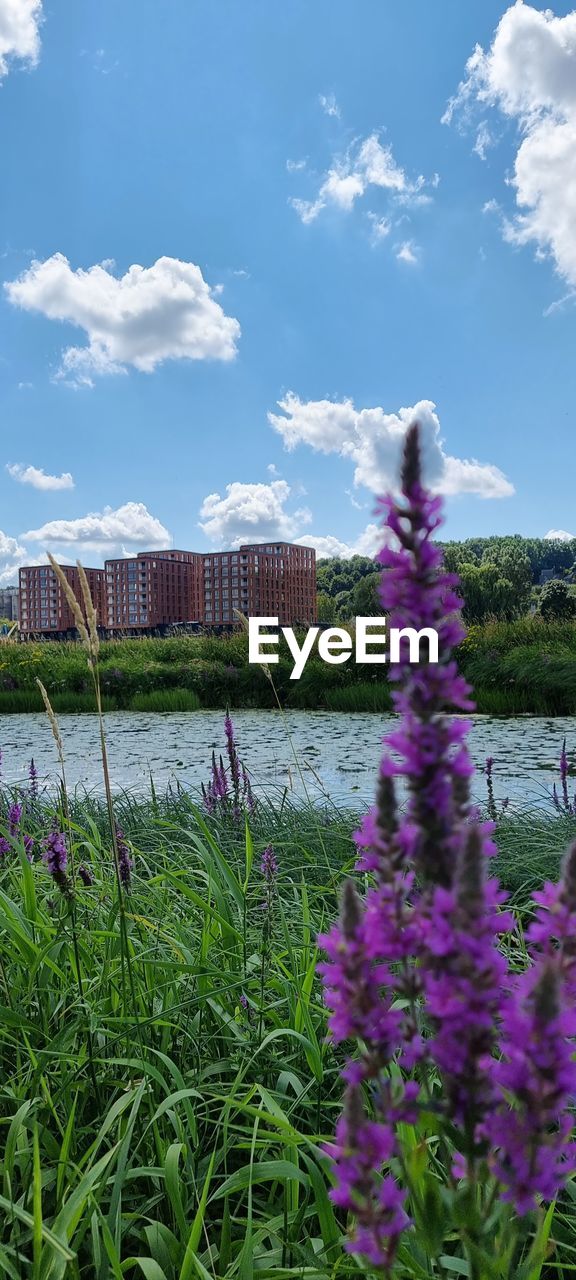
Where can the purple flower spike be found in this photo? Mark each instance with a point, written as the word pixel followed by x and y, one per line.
pixel 14 818
pixel 125 861
pixel 33 777
pixel 228 792
pixel 16 833
pixel 462 979
pixel 55 856
pixel 534 1150
pixel 490 788
pixel 232 757
pixel 415 976
pixel 269 865
pixel 564 775
pixel 361 1148
pixel 417 593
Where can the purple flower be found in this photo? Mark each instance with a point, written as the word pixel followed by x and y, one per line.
pixel 55 855
pixel 208 798
pixel 553 930
pixel 228 791
pixel 33 777
pixel 269 865
pixel 85 875
pixel 353 982
pixel 125 860
pixel 248 795
pixel 531 1131
pixel 232 756
pixel 417 593
pixel 219 781
pixel 414 974
pixel 564 776
pixel 462 976
pixel 14 818
pixel 15 830
pixel 490 788
pixel 269 870
pixel 362 1146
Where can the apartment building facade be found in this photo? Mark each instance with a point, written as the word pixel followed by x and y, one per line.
pixel 157 589
pixel 153 589
pixel 276 579
pixel 43 607
pixel 9 603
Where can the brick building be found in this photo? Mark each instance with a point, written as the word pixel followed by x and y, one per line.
pixel 153 589
pixel 156 589
pixel 275 579
pixel 43 607
pixel 9 602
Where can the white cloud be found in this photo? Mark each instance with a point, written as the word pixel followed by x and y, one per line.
pixel 373 441
pixel 407 252
pixel 381 228
pixel 367 164
pixel 560 303
pixel 559 535
pixel 19 32
pixel 12 555
pixel 484 140
pixel 329 104
pixel 130 524
pixel 366 544
pixel 38 478
pixel 250 513
pixel 150 314
pixel 529 74
pixel 360 506
pixel 296 166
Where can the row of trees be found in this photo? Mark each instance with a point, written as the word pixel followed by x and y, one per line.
pixel 500 577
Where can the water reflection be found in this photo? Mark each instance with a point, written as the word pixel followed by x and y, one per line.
pixel 337 754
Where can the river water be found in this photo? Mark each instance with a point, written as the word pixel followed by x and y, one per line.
pixel 337 753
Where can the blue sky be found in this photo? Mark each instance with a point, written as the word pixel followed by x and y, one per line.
pixel 309 224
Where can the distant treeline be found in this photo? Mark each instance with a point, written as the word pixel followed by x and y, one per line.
pixel 500 578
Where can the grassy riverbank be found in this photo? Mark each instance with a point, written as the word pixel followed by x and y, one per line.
pixel 170 1082
pixel 515 667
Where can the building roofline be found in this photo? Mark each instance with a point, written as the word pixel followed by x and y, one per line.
pixel 86 567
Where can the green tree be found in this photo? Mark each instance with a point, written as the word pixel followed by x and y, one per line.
pixel 557 602
pixel 325 607
pixel 487 592
pixel 365 598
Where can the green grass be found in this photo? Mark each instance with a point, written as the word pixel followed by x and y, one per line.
pixel 145 1113
pixel 150 1124
pixel 373 696
pixel 515 667
pixel 165 700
